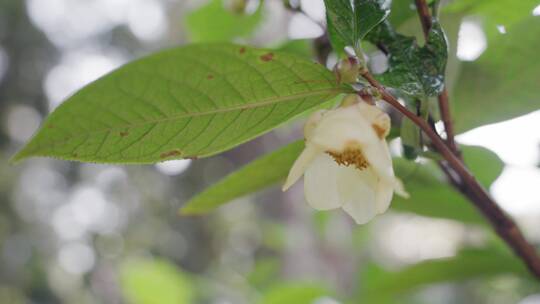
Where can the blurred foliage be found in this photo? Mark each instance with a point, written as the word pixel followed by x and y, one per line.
pixel 294 293
pixel 468 264
pixel 508 88
pixel 155 282
pixel 267 247
pixel 215 22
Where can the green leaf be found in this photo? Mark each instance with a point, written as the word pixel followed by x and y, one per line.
pixel 348 22
pixel 367 14
pixel 416 71
pixel 155 282
pixel 432 196
pixel 265 271
pixel 257 175
pixel 504 82
pixel 192 101
pixel 294 293
pixel 468 264
pixel 214 23
pixel 485 164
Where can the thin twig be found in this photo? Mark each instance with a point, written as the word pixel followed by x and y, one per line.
pixel 469 186
pixel 425 15
pixel 464 181
pixel 426 20
pixel 444 108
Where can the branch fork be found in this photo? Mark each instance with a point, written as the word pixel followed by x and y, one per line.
pixel 454 167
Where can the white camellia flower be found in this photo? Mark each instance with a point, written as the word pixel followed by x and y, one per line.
pixel 346 162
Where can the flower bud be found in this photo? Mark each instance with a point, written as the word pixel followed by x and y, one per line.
pixel 347 70
pixel 350 99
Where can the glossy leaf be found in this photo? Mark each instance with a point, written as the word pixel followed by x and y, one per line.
pixel 348 22
pixel 469 264
pixel 416 71
pixel 255 176
pixel 215 23
pixel 192 101
pixel 504 82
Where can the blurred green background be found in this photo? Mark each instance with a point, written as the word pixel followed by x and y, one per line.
pixel 87 233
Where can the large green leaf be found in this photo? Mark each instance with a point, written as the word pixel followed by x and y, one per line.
pixel 213 22
pixel 348 22
pixel 191 101
pixel 431 195
pixel 468 264
pixel 255 176
pixel 504 82
pixel 155 282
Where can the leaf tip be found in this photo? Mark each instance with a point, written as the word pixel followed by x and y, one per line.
pixel 18 157
pixel 188 210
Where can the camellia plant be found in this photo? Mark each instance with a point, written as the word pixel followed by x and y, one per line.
pixel 202 99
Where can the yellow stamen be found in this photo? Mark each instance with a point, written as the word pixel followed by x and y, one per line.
pixel 350 156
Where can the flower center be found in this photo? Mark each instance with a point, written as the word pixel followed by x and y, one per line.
pixel 350 156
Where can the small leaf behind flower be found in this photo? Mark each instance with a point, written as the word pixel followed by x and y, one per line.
pixel 255 176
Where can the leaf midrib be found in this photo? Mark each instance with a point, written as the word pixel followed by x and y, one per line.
pixel 262 103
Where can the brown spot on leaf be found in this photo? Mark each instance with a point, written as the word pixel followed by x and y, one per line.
pixel 192 157
pixel 267 57
pixel 210 76
pixel 51 126
pixel 242 50
pixel 75 154
pixel 170 154
pixel 124 134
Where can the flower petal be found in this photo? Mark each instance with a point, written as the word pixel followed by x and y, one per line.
pixel 300 165
pixel 379 120
pixel 357 193
pixel 312 122
pixel 380 160
pixel 384 194
pixel 341 127
pixel 321 184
